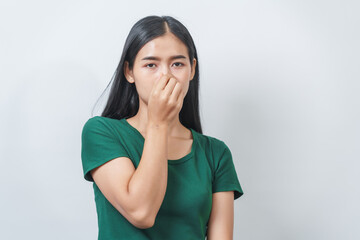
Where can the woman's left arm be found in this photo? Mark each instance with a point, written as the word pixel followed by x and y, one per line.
pixel 221 221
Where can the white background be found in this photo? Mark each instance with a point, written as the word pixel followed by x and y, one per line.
pixel 279 83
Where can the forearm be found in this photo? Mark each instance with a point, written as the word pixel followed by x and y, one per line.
pixel 147 186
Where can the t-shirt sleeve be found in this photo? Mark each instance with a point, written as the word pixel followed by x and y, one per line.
pixel 98 145
pixel 225 177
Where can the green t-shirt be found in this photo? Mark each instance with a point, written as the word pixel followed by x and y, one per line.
pixel 192 179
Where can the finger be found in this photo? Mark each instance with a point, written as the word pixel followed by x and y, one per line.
pixel 156 86
pixel 180 99
pixel 175 91
pixel 169 88
pixel 161 83
pixel 180 94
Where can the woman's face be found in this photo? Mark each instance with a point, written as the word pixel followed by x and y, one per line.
pixel 163 55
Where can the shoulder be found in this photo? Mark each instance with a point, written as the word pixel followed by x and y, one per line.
pixel 93 123
pixel 99 124
pixel 215 150
pixel 211 143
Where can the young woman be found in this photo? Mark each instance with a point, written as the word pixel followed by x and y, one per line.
pixel 155 175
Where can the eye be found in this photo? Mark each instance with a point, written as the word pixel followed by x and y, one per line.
pixel 150 64
pixel 179 63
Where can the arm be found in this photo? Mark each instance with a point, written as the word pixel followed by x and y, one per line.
pixel 147 186
pixel 137 194
pixel 221 221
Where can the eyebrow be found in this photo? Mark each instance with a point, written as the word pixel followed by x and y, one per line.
pixel 157 58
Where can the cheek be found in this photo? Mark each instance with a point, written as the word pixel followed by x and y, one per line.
pixel 143 85
pixel 146 86
pixel 182 74
pixel 144 77
pixel 147 76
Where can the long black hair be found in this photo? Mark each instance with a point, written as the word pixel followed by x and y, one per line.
pixel 123 101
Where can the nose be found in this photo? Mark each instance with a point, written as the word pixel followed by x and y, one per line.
pixel 166 71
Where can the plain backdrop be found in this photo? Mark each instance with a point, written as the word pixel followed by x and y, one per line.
pixel 279 83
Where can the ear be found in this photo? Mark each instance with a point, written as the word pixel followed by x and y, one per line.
pixel 193 69
pixel 128 73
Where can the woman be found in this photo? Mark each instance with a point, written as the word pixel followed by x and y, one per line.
pixel 155 175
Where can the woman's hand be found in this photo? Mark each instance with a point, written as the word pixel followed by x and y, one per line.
pixel 165 100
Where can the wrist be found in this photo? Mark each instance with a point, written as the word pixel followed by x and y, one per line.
pixel 157 125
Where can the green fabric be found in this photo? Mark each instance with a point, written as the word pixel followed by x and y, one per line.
pixel 192 179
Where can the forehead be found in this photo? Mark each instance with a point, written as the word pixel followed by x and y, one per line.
pixel 164 46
